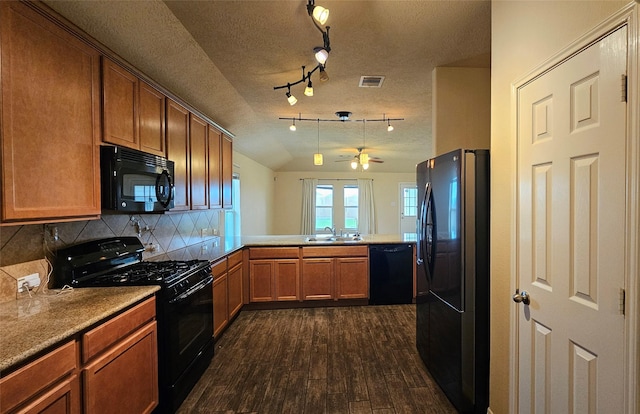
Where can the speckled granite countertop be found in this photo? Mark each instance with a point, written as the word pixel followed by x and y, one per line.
pixel 298 240
pixel 229 245
pixel 31 325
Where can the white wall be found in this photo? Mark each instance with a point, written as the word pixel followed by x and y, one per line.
pixel 288 196
pixel 461 108
pixel 524 34
pixel 256 195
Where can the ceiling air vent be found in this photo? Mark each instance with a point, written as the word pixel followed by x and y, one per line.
pixel 371 81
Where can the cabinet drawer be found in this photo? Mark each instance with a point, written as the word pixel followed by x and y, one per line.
pixel 110 332
pixel 273 253
pixel 335 251
pixel 219 268
pixel 234 258
pixel 37 375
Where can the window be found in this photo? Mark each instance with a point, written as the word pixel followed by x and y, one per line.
pixel 350 207
pixel 324 207
pixel 410 196
pixel 338 213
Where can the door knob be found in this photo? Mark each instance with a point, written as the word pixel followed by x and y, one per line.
pixel 521 297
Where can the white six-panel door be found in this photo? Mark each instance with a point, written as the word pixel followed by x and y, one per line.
pixel 570 240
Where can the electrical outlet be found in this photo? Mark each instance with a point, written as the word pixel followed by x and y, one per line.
pixel 215 232
pixel 204 232
pixel 29 282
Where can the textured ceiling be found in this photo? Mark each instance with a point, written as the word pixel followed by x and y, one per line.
pixel 225 57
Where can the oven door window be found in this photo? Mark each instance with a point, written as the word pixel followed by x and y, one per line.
pixel 190 328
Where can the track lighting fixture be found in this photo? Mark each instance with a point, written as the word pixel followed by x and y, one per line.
pixel 293 126
pixel 321 55
pixel 319 16
pixel 308 91
pixel 319 13
pixel 345 116
pixel 323 74
pixel 292 99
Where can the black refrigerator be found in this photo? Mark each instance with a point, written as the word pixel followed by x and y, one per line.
pixel 452 301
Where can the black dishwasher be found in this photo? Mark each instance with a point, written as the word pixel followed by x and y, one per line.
pixel 390 274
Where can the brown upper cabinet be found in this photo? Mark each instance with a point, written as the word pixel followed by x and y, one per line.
pixel 227 172
pixel 178 152
pixel 215 168
pixel 198 162
pixel 50 119
pixel 134 111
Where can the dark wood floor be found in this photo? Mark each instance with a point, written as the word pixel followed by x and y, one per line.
pixel 359 359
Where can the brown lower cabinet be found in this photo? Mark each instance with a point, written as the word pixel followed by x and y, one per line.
pixel 116 371
pixel 274 274
pixel 227 290
pixel 308 273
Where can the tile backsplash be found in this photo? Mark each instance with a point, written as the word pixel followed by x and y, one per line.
pixel 175 236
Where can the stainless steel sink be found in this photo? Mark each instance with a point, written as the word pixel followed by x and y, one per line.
pixel 331 239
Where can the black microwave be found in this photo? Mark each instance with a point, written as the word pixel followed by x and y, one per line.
pixel 134 181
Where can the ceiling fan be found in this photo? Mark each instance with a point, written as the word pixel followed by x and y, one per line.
pixel 361 158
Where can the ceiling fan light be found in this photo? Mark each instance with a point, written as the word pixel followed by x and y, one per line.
pixel 321 55
pixel 292 99
pixel 365 166
pixel 320 14
pixel 354 163
pixel 317 159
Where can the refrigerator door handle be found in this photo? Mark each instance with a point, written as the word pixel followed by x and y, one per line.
pixel 430 234
pixel 421 226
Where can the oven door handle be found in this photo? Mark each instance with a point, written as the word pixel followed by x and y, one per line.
pixel 195 289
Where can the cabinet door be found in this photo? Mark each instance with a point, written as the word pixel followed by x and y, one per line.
pixel 178 152
pixel 198 162
pixel 50 124
pixel 352 278
pixel 287 279
pixel 215 168
pixel 317 279
pixel 220 304
pixel 20 386
pixel 125 377
pixel 120 102
pixel 235 290
pixel 227 171
pixel 63 398
pixel 151 119
pixel 261 283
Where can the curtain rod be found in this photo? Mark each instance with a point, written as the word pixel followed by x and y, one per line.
pixel 336 179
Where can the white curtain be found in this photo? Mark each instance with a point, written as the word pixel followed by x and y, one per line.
pixel 308 222
pixel 366 210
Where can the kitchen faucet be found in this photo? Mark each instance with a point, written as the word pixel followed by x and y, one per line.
pixel 333 231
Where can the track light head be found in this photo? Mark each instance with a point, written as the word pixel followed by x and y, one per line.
pixel 292 99
pixel 293 126
pixel 323 74
pixel 308 91
pixel 321 54
pixel 319 13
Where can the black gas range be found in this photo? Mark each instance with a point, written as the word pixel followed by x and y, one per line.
pixel 184 304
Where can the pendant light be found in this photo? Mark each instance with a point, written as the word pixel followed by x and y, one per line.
pixel 364 157
pixel 317 157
